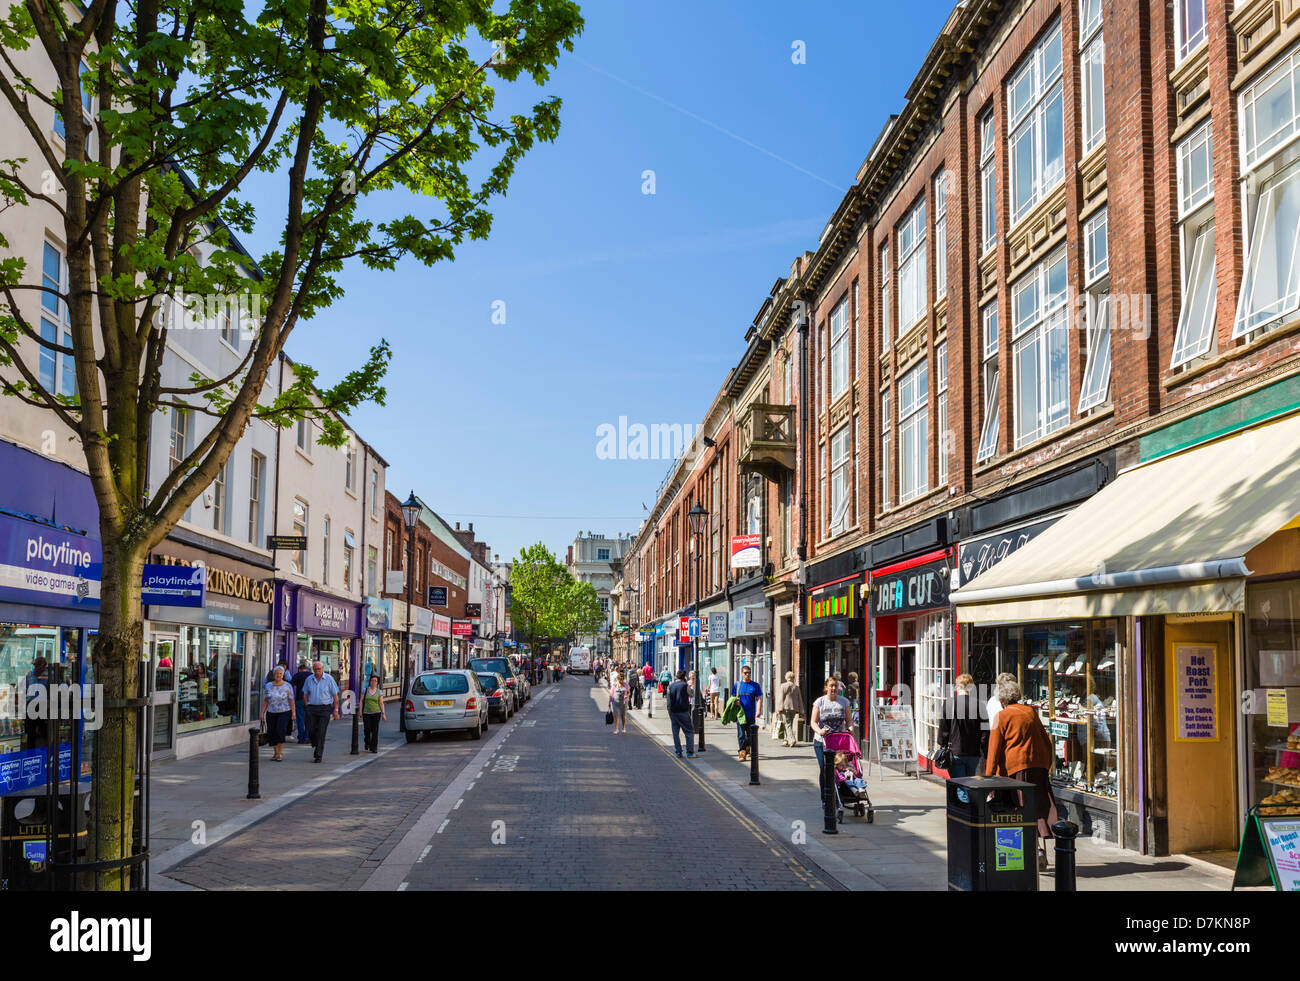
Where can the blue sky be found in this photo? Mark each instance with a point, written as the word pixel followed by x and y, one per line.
pixel 618 303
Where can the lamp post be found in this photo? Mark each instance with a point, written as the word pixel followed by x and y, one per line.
pixel 410 512
pixel 698 516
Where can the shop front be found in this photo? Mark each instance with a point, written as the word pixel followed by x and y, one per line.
pixel 831 640
pixel 1152 626
pixel 314 626
pixel 713 644
pixel 462 632
pixel 209 662
pixel 50 572
pixel 914 655
pixel 439 641
pixel 749 633
pixel 379 620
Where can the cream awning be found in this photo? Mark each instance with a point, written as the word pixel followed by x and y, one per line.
pixel 1169 536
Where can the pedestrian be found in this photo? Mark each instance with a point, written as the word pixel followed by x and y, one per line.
pixel 665 679
pixel 961 729
pixel 321 693
pixel 278 711
pixel 714 692
pixel 791 704
pixel 638 688
pixel 991 710
pixel 1020 748
pixel 372 713
pixel 618 692
pixel 647 674
pixel 679 711
pixel 299 703
pixel 751 703
pixel 830 713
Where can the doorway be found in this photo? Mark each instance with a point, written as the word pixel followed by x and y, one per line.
pixel 162 662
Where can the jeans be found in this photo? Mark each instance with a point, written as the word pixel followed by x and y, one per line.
pixel 682 723
pixel 819 750
pixel 743 735
pixel 318 723
pixel 301 707
pixel 371 722
pixel 964 766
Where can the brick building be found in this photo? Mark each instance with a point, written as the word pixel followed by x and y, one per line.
pixel 1031 439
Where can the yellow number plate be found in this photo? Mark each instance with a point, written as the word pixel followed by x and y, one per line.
pixel 438 703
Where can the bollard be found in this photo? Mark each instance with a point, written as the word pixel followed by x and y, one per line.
pixel 699 725
pixel 650 703
pixel 356 717
pixel 253 789
pixel 751 734
pixel 830 793
pixel 1066 832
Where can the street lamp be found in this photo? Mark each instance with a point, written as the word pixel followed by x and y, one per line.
pixel 698 516
pixel 410 512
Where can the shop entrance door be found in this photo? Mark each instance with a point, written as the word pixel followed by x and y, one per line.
pixel 1200 774
pixel 163 650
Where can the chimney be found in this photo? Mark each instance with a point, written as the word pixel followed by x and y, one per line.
pixel 471 527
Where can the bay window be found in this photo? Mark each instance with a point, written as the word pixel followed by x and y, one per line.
pixel 1040 351
pixel 911 268
pixel 1195 334
pixel 1036 135
pixel 914 433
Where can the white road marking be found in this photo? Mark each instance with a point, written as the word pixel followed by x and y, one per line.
pixel 456 806
pixel 443 825
pixel 471 786
pixel 402 887
pixel 423 854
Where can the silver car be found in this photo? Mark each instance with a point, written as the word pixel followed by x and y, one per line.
pixel 442 700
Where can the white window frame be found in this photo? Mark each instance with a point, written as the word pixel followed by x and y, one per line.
pixel 1196 320
pixel 56 326
pixel 1095 389
pixel 911 268
pixel 350 465
pixel 941 413
pixel 220 502
pixel 349 557
pixel 988 185
pixel 839 334
pixel 1030 120
pixel 914 433
pixel 325 552
pixel 886 474
pixel 374 492
pixel 256 474
pixel 1092 58
pixel 841 450
pixel 1046 331
pixel 303 436
pixel 180 433
pixel 1197 144
pixel 886 329
pixel 940 235
pixel 1184 45
pixel 300 525
pixel 989 431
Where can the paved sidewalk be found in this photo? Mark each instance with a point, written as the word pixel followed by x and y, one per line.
pixel 906 847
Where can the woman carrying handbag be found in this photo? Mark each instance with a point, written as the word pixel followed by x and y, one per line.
pixel 617 713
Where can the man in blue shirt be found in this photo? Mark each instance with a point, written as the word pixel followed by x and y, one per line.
pixel 750 696
pixel 321 693
pixel 298 680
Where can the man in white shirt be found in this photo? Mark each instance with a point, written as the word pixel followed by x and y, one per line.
pixel 714 691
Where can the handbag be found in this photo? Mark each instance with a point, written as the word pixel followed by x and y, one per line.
pixel 942 758
pixel 780 729
pixel 263 737
pixel 609 717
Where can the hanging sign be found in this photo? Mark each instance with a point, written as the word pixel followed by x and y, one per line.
pixel 1196 693
pixel 745 551
pixel 172 585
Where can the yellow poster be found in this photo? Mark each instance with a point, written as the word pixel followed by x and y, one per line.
pixel 1277 707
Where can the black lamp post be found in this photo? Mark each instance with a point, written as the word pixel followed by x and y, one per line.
pixel 410 512
pixel 698 516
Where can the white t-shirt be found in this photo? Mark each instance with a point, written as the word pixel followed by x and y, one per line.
pixel 833 715
pixel 993 707
pixel 715 684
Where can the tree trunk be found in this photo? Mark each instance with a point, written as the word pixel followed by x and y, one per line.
pixel 116 658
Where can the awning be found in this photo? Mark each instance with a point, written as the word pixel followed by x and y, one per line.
pixel 1169 536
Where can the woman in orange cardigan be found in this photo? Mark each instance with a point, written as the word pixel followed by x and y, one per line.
pixel 1020 748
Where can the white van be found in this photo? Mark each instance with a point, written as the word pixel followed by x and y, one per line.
pixel 579 660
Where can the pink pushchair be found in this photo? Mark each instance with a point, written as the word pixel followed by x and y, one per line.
pixel 851 797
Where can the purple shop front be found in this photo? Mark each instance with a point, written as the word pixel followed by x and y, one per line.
pixel 311 625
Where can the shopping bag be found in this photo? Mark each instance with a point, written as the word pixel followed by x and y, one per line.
pixel 780 729
pixel 609 717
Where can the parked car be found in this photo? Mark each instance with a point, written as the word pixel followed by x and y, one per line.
pixel 501 697
pixel 444 700
pixel 515 681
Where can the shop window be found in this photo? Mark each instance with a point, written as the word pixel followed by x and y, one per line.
pixel 1036 137
pixel 934 677
pixel 210 678
pixel 911 268
pixel 1040 355
pixel 1273 672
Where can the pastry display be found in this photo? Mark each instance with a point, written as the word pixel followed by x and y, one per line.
pixel 1288 775
pixel 1284 803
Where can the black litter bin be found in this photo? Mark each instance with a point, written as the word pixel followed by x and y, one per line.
pixel 992 839
pixel 25 833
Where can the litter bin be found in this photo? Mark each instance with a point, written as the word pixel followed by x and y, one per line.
pixel 992 839
pixel 24 834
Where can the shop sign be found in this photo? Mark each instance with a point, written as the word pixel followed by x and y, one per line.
pixel 379 613
pixel 745 551
pixel 223 581
pixel 922 587
pixel 750 620
pixel 1284 848
pixel 291 543
pixel 422 621
pixel 462 628
pixel 838 604
pixel 26 768
pixel 320 613
pixel 437 595
pixel 1196 693
pixel 979 555
pixel 474 611
pixel 441 625
pixel 394 581
pixel 717 627
pixel 48 566
pixel 164 585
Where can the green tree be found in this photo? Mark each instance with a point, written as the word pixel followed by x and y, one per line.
pixel 339 101
pixel 539 585
pixel 581 609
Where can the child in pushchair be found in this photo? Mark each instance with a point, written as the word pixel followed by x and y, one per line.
pixel 849 782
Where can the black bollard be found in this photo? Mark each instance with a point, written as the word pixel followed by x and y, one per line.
pixel 830 793
pixel 253 789
pixel 1066 832
pixel 751 731
pixel 699 724
pixel 356 718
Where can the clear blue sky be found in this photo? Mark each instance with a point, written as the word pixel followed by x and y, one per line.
pixel 618 302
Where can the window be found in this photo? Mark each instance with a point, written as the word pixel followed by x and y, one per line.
pixel 257 467
pixel 885 325
pixel 1195 170
pixel 821 367
pixel 1092 59
pixel 374 492
pixel 229 319
pixel 87 111
pixel 988 185
pixel 1036 135
pixel 1189 26
pixel 1195 334
pixel 914 433
pixel 299 560
pixel 911 268
pixel 840 349
pixel 349 551
pixel 885 472
pixel 372 584
pixel 56 370
pixel 180 443
pixel 841 443
pixel 1270 121
pixel 1040 352
pixel 941 412
pixel 602 555
pixel 940 235
pixel 1096 372
pixel 219 509
pixel 350 466
pixel 304 435
pixel 989 430
pixel 325 551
